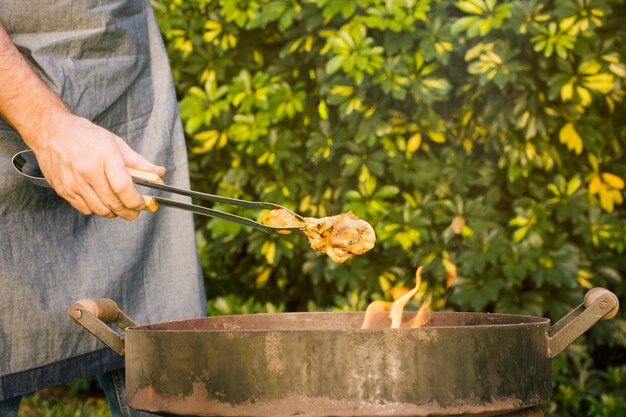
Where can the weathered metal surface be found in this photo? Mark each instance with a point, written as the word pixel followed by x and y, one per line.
pixel 528 412
pixel 94 313
pixel 323 364
pixel 599 304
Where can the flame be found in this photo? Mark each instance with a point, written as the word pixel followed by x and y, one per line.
pixel 374 307
pixel 423 314
pixel 397 307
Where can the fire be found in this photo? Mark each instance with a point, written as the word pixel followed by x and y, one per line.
pixel 397 307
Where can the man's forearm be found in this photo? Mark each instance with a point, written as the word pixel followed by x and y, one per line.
pixel 84 163
pixel 26 102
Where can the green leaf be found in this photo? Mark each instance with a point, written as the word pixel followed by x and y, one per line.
pixel 334 64
pixel 387 191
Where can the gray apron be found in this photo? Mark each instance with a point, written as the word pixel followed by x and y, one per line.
pixel 106 60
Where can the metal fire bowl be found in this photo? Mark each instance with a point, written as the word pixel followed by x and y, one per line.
pixel 323 364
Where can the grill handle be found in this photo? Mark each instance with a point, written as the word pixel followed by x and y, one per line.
pixel 95 313
pixel 599 304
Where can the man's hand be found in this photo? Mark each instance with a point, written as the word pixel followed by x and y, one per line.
pixel 84 163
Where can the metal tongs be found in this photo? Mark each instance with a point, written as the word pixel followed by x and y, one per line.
pixel 26 164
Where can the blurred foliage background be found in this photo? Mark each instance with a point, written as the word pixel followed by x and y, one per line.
pixel 483 140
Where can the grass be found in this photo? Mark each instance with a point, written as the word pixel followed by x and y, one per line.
pixel 81 399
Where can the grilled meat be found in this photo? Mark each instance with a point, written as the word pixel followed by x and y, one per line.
pixel 340 237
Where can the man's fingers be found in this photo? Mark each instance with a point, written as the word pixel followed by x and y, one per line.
pixel 122 185
pixel 100 197
pixel 134 160
pixel 80 205
pixel 94 202
pixel 75 200
pixel 86 164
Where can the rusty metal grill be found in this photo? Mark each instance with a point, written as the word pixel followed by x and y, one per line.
pixel 323 364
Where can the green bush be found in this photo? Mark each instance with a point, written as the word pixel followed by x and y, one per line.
pixel 483 140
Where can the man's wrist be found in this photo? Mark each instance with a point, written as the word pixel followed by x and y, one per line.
pixel 26 102
pixel 39 128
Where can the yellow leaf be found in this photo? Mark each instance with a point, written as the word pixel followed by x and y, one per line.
pixel 595 185
pixel 585 96
pixel 269 251
pixel 612 58
pixel 520 234
pixel 467 117
pixel 573 185
pixel 305 202
pixel 606 200
pixel 263 158
pixel 257 56
pixel 223 140
pixel 474 52
pixel 589 67
pixel 555 190
pixel 437 136
pixel 232 41
pixel 523 120
pixel 206 135
pixel 384 283
pixel 583 278
pixel 353 104
pixel 617 196
pixel 212 25
pixel 364 176
pixel 613 180
pixel 210 36
pixel 467 231
pixel 531 150
pixel 308 44
pixel 208 138
pixel 567 23
pixel 370 112
pixel 342 90
pixel 518 221
pixel 610 103
pixel 567 91
pixel 599 82
pixel 263 277
pixel 239 98
pixel 322 109
pixel 618 69
pixel 570 137
pixel 414 142
pixel 296 45
pixel 593 161
pixel 471 7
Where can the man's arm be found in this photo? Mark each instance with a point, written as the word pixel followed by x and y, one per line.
pixel 84 163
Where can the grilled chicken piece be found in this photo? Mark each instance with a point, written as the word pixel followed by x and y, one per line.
pixel 281 218
pixel 340 237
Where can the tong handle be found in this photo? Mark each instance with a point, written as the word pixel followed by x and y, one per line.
pixel 151 180
pixel 145 175
pixel 151 204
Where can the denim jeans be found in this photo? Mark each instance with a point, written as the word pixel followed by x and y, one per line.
pixel 114 388
pixel 8 408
